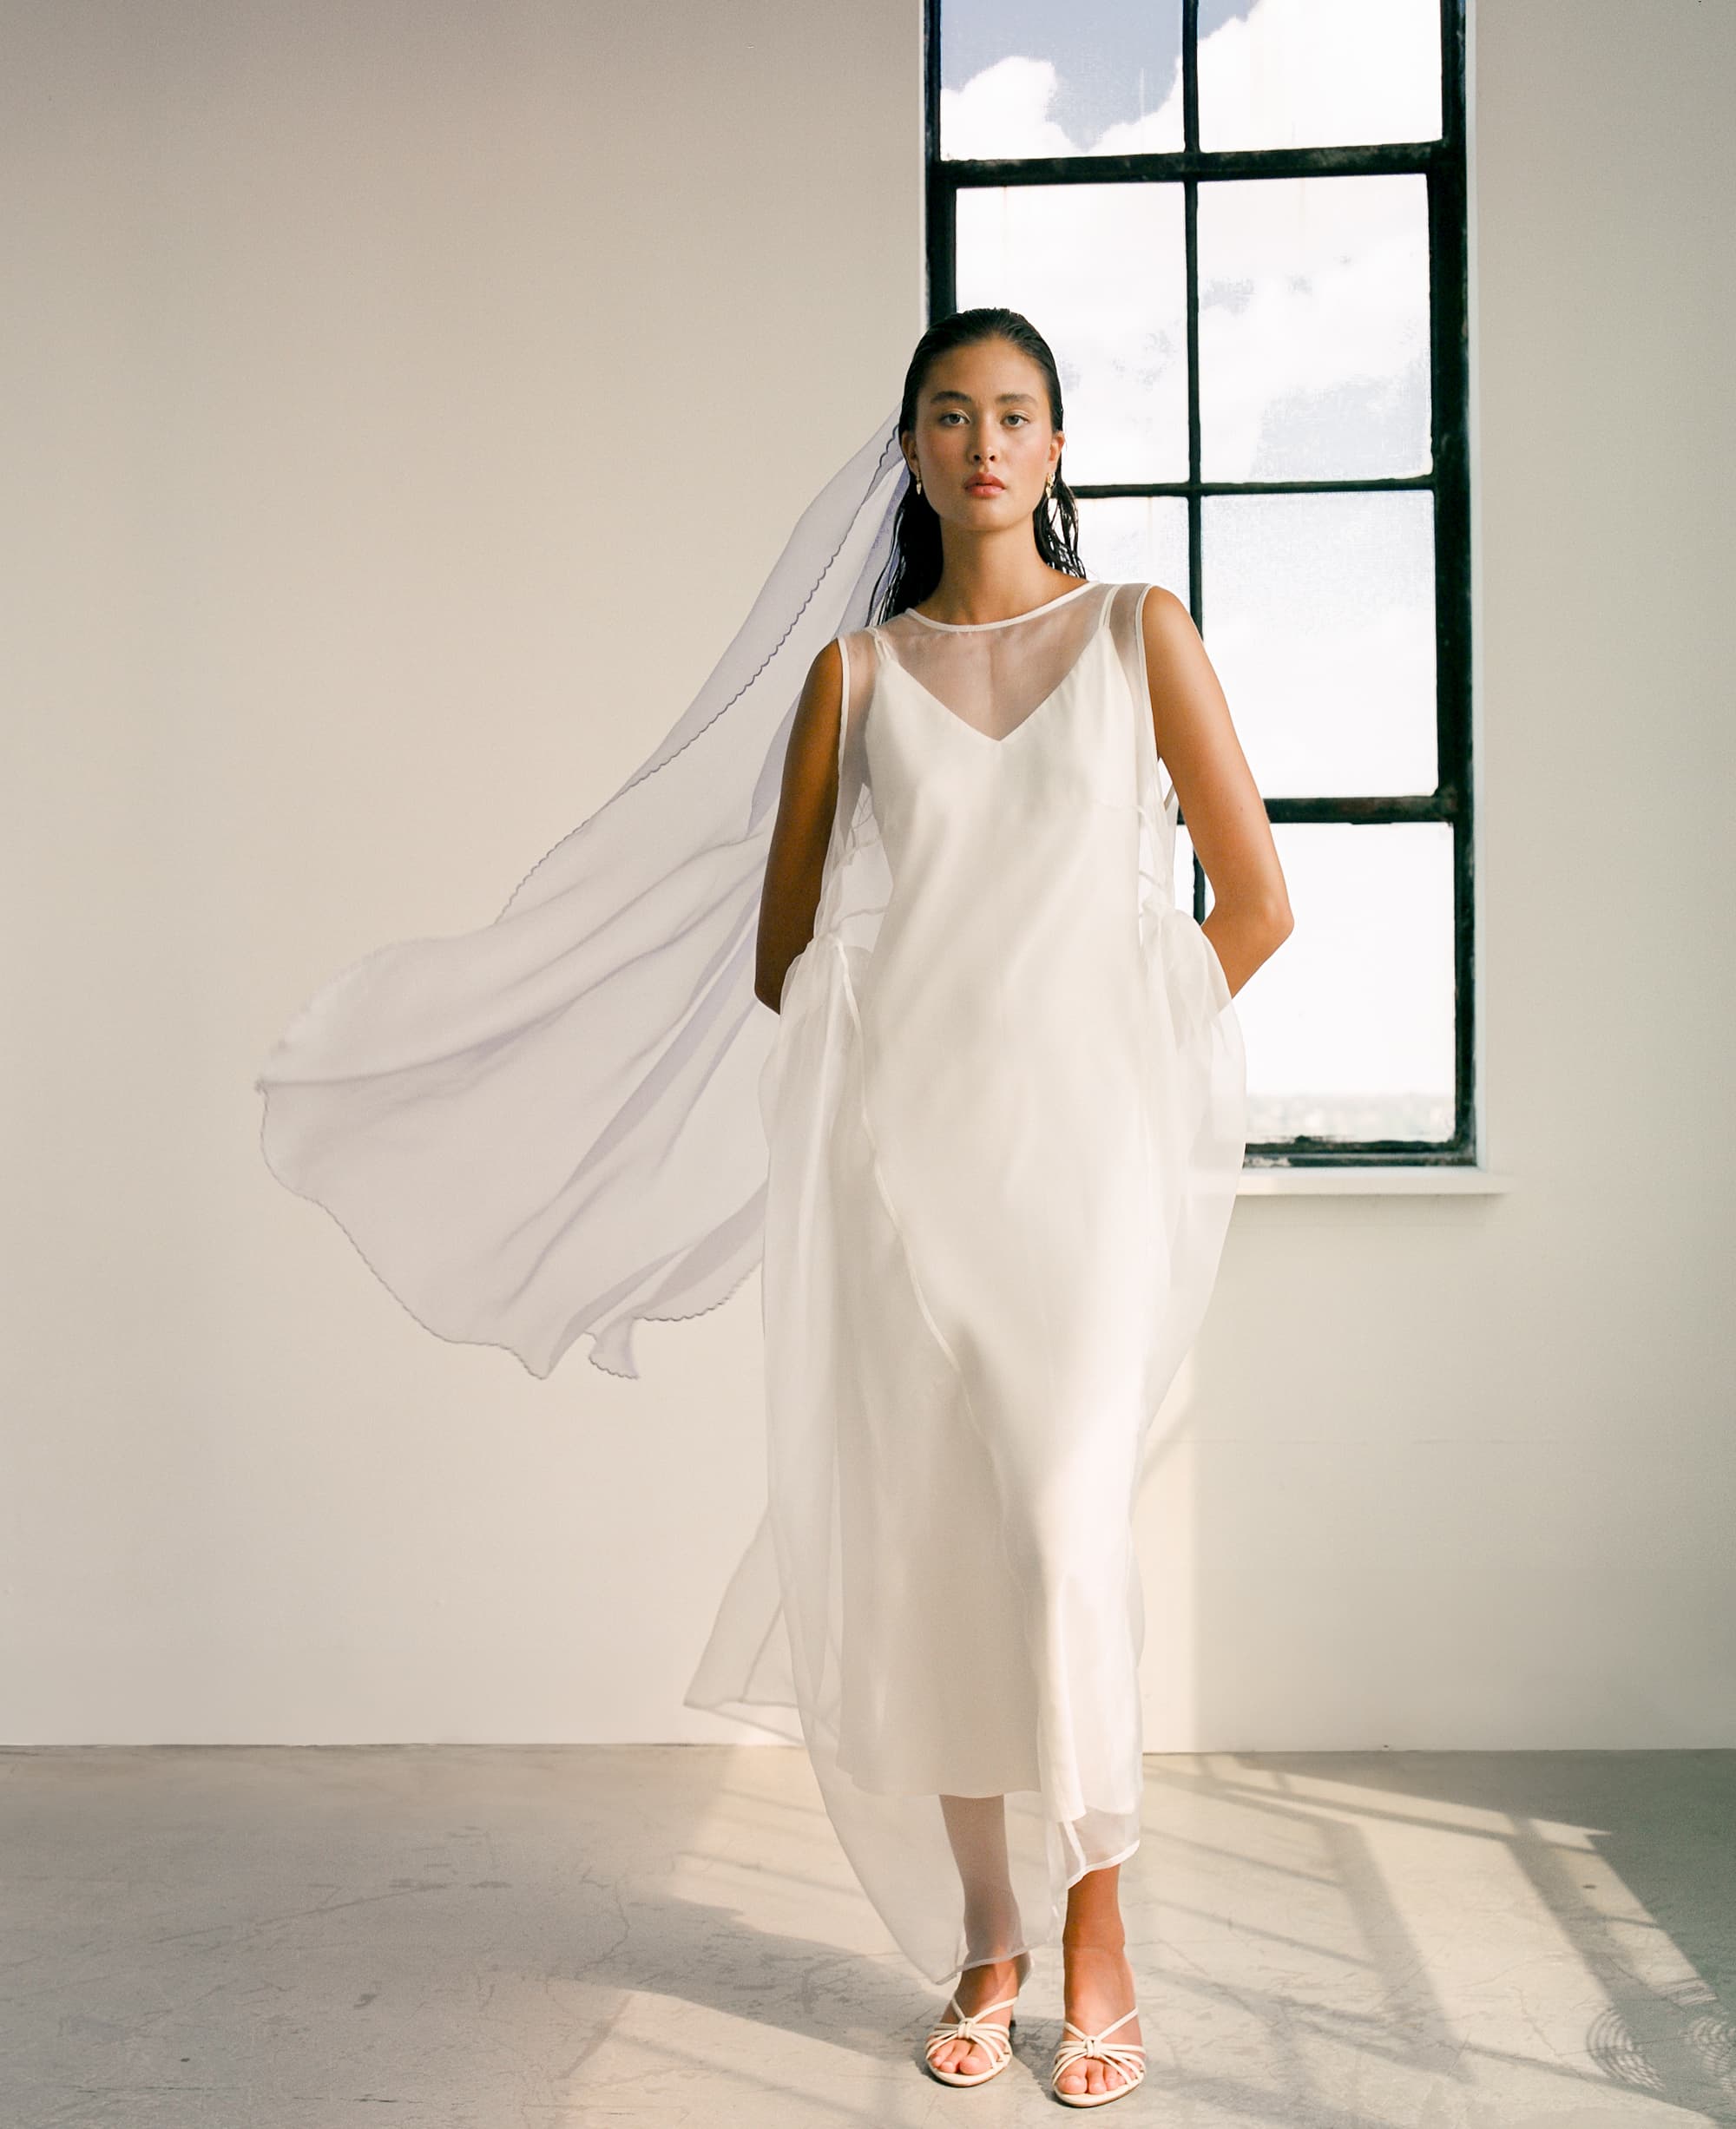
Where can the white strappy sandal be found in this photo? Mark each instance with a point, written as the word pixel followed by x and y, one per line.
pixel 1127 2056
pixel 995 2041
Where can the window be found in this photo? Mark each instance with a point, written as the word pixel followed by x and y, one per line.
pixel 1241 226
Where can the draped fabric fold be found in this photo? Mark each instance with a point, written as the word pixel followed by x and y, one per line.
pixel 551 1125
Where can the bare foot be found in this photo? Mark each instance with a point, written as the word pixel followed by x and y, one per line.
pixel 1098 1988
pixel 986 1983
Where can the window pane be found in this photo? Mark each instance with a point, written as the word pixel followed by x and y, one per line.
pixel 1100 271
pixel 1319 615
pixel 1020 77
pixel 1135 540
pixel 1314 328
pixel 1348 1027
pixel 1318 73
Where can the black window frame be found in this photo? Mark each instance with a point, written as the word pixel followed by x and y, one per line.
pixel 1441 163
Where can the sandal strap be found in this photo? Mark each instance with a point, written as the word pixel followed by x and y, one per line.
pixel 1069 2052
pixel 1129 2061
pixel 990 2036
pixel 984 2009
pixel 1127 2056
pixel 1107 2030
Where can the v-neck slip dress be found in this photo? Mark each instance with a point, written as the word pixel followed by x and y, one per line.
pixel 1006 1110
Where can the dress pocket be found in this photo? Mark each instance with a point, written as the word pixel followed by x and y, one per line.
pixel 1215 976
pixel 1185 966
pixel 789 976
pixel 802 995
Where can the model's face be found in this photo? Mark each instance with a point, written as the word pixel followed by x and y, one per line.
pixel 983 417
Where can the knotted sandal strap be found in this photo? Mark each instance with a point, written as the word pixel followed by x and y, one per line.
pixel 1127 2056
pixel 995 2041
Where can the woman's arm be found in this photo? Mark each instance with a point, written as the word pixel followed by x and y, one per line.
pixel 1250 916
pixel 806 800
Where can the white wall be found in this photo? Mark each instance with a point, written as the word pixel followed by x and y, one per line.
pixel 408 401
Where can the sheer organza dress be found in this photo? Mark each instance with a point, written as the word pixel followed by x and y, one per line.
pixel 1005 1107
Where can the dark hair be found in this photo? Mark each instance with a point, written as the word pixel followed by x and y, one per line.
pixel 917 557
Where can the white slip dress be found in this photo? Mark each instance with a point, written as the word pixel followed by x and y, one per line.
pixel 1005 1111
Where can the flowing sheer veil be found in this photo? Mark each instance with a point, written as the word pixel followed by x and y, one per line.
pixel 550 1126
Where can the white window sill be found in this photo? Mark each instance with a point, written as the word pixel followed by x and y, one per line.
pixel 1421 1180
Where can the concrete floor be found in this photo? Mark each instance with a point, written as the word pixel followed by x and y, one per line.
pixel 487 1937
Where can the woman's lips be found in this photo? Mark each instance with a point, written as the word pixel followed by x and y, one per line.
pixel 984 488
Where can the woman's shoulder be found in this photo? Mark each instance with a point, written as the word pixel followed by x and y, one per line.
pixel 1163 615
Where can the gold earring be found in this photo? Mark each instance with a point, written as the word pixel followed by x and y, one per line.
pixel 916 478
pixel 1048 488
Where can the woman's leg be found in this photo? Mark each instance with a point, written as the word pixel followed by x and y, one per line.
pixel 1098 1985
pixel 976 1827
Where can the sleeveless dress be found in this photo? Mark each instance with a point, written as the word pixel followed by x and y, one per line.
pixel 1005 1113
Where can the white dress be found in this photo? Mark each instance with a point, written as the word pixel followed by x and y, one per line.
pixel 1005 1113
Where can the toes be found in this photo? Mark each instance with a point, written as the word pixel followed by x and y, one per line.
pixel 1091 2075
pixel 961 2058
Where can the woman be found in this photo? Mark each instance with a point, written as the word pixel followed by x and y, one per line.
pixel 1001 1110
pixel 1005 1112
